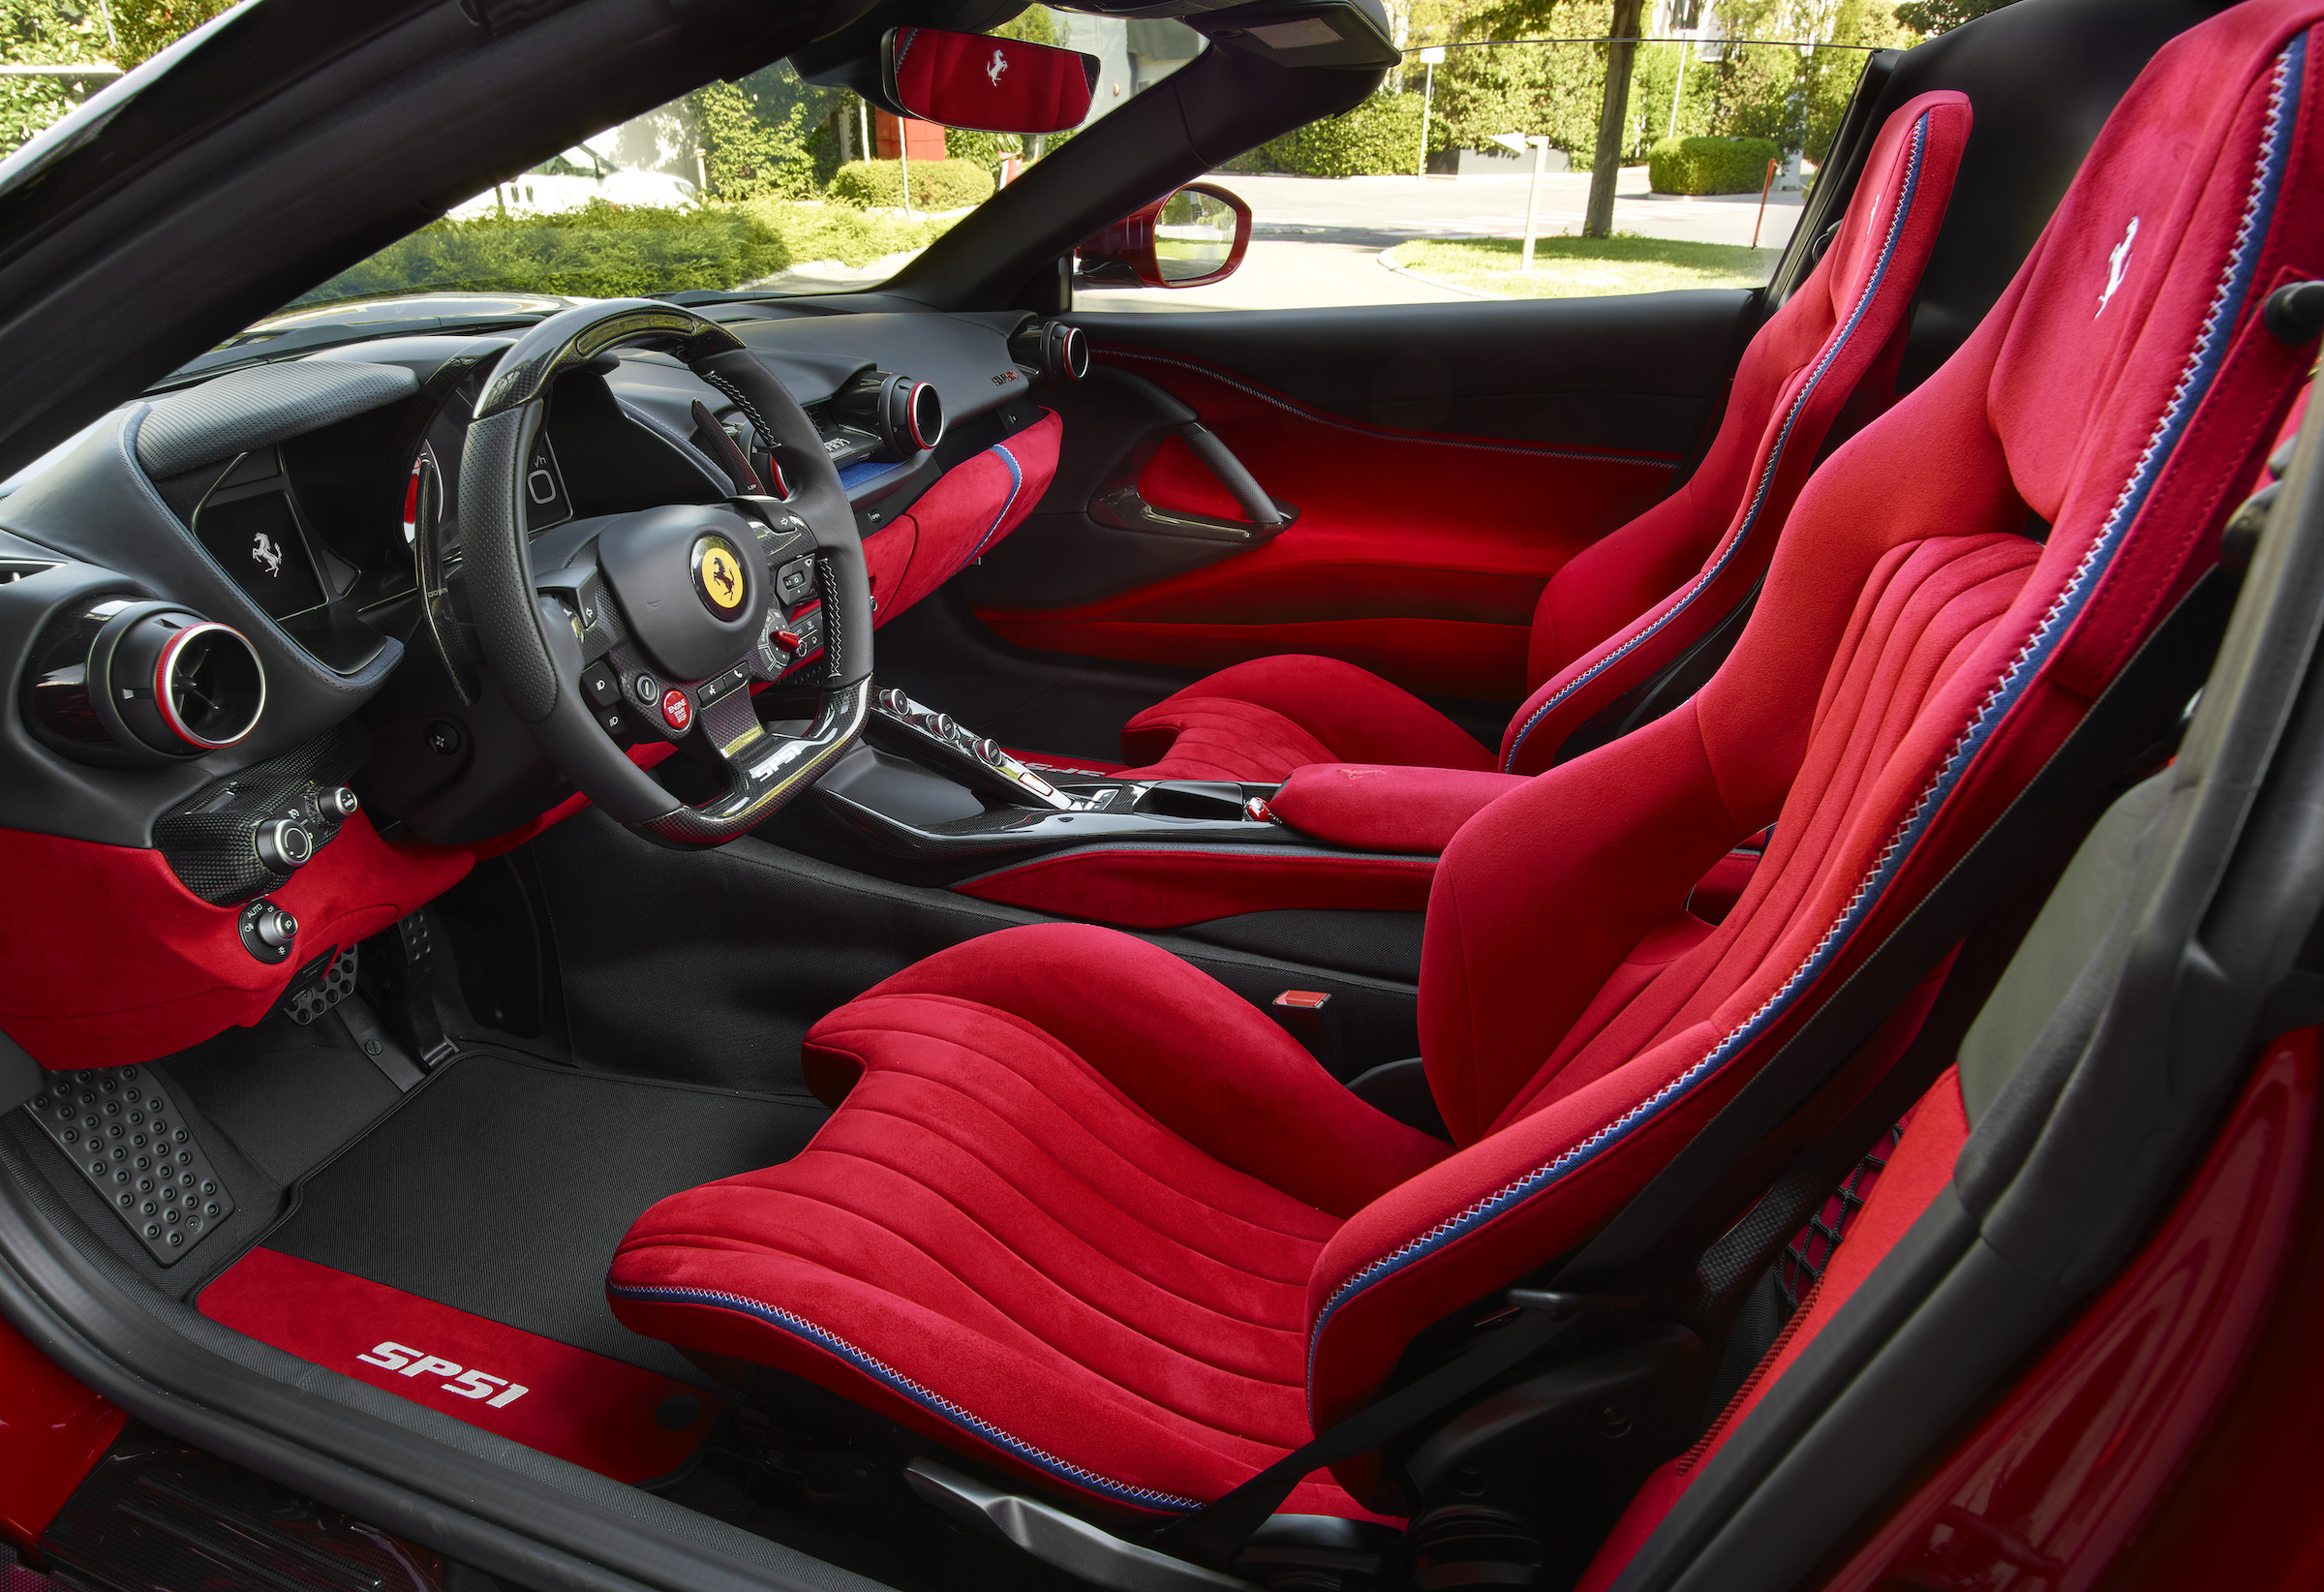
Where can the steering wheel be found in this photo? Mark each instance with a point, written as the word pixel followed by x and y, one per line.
pixel 660 587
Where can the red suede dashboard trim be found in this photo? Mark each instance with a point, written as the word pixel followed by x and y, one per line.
pixel 127 964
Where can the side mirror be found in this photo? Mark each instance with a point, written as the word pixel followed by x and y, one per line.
pixel 1190 239
pixel 983 84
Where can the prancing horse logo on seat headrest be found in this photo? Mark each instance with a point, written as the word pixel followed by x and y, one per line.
pixel 2116 263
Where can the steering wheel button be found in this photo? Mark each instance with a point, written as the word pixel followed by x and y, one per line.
pixel 676 710
pixel 600 685
pixel 648 689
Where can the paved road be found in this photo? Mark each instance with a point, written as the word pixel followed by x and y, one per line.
pixel 1316 241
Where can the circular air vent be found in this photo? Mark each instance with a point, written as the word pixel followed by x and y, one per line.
pixel 209 686
pixel 130 681
pixel 924 415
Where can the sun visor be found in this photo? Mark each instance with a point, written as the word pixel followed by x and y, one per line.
pixel 1346 33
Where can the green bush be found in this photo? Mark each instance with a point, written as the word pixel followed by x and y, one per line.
pixel 604 253
pixel 812 231
pixel 596 252
pixel 1380 138
pixel 1709 166
pixel 937 185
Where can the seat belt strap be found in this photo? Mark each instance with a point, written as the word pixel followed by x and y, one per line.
pixel 2135 711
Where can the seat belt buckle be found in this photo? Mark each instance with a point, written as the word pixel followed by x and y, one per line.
pixel 1312 1018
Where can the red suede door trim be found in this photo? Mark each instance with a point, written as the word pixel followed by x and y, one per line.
pixel 1419 557
pixel 582 1407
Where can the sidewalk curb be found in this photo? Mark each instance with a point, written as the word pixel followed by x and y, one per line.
pixel 1447 286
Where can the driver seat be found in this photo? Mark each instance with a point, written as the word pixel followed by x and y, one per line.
pixel 1083 1214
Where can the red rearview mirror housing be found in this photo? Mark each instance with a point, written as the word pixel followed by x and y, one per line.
pixel 974 82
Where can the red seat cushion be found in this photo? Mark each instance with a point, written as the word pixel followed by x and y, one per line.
pixel 995 1242
pixel 1259 720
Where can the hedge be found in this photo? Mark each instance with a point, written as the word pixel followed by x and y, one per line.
pixel 1380 138
pixel 937 185
pixel 601 252
pixel 1709 166
pixel 811 231
pixel 596 252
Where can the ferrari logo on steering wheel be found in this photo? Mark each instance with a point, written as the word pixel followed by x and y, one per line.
pixel 718 577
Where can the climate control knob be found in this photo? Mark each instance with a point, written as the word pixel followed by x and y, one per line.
pixel 284 845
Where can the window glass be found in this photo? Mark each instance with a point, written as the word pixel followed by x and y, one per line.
pixel 765 185
pixel 1424 193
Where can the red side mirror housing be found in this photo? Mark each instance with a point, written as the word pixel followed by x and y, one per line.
pixel 985 84
pixel 1190 238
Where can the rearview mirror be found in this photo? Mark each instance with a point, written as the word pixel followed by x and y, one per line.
pixel 1189 239
pixel 974 82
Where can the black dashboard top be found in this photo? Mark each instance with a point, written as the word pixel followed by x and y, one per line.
pixel 285 500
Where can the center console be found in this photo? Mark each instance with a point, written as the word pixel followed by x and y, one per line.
pixel 940 803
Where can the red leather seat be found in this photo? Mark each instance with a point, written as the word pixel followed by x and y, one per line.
pixel 1082 1213
pixel 1620 611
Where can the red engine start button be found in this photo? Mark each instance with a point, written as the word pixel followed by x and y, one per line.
pixel 676 708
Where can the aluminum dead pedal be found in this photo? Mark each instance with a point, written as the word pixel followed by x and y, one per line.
pixel 119 1125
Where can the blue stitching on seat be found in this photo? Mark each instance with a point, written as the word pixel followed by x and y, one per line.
pixel 1775 457
pixel 927 1398
pixel 2202 367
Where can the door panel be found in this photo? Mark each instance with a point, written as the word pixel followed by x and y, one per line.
pixel 1444 460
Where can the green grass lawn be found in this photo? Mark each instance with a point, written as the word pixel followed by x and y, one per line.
pixel 1584 267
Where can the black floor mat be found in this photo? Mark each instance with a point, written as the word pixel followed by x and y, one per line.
pixel 501 1188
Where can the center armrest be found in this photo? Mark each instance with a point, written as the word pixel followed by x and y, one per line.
pixel 1387 807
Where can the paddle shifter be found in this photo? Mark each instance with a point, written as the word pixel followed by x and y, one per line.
pixel 979 758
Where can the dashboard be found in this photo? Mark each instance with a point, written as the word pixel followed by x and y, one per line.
pixel 231 613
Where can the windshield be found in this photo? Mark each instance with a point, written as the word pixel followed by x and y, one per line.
pixel 766 185
pixel 1465 177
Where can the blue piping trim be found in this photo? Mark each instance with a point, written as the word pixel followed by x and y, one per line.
pixel 935 1403
pixel 1015 485
pixel 1774 458
pixel 2202 367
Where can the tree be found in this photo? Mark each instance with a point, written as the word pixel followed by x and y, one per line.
pixel 47 33
pixel 754 133
pixel 1613 115
pixel 118 33
pixel 1552 90
pixel 144 28
pixel 1930 16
